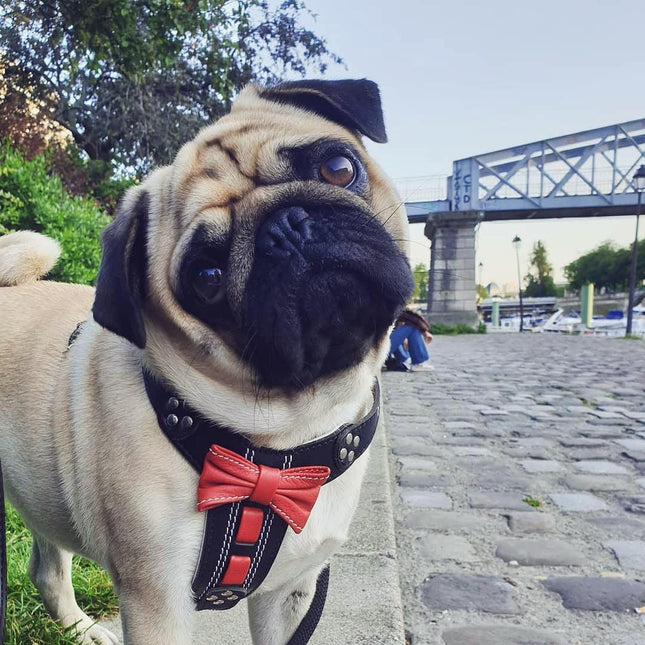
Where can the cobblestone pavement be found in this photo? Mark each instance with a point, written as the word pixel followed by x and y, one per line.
pixel 520 494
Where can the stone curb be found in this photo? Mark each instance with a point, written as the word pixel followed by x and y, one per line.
pixel 364 601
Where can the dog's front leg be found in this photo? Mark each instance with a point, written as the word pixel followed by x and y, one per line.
pixel 274 616
pixel 160 612
pixel 50 569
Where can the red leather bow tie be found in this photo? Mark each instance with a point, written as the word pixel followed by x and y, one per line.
pixel 291 493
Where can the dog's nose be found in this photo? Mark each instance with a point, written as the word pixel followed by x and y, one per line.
pixel 327 281
pixel 284 232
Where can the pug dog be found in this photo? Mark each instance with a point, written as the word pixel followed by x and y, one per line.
pixel 256 278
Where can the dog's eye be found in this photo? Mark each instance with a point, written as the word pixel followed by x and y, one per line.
pixel 338 171
pixel 209 285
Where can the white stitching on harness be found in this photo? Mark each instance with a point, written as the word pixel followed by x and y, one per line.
pixel 289 519
pixel 236 498
pixel 224 550
pixel 319 478
pixel 264 538
pixel 226 545
pixel 233 461
pixel 262 541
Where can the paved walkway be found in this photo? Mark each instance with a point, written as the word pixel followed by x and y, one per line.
pixel 520 494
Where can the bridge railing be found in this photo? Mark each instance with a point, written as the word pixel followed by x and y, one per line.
pixel 423 189
pixel 591 169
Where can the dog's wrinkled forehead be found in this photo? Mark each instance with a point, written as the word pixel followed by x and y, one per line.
pixel 248 148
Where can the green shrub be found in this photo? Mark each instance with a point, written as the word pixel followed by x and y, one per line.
pixel 31 199
pixel 91 178
pixel 454 330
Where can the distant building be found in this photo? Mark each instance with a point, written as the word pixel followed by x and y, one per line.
pixel 506 290
pixel 510 290
pixel 493 289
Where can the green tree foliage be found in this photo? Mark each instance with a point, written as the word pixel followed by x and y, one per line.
pixel 134 79
pixel 539 280
pixel 32 199
pixel 607 266
pixel 482 292
pixel 26 129
pixel 420 272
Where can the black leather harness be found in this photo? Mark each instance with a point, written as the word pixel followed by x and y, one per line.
pixel 192 435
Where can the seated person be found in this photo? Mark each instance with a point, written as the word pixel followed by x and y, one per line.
pixel 409 340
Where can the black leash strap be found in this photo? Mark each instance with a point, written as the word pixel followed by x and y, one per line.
pixel 3 563
pixel 309 623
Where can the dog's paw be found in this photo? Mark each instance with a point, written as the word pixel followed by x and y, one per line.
pixel 97 635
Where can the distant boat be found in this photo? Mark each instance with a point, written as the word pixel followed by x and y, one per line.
pixel 615 323
pixel 562 322
pixel 512 323
pixel 612 324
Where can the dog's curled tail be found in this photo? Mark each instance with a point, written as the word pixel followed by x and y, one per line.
pixel 26 256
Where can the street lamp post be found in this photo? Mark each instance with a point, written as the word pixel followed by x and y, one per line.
pixel 517 243
pixel 481 269
pixel 639 187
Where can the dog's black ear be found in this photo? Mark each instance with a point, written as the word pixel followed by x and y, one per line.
pixel 355 104
pixel 120 285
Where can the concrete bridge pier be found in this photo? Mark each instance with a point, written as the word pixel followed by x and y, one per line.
pixel 451 283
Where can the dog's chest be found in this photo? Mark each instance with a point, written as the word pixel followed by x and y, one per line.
pixel 270 514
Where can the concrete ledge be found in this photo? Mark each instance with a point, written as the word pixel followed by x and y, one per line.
pixel 364 600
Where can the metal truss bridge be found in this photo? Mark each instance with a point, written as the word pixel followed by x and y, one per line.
pixel 587 174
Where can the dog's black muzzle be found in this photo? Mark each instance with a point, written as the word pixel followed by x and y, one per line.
pixel 326 283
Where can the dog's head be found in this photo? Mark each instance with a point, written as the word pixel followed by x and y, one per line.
pixel 271 248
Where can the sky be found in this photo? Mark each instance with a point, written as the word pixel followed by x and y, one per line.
pixel 460 78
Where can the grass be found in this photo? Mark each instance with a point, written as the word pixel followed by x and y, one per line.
pixel 27 621
pixel 532 501
pixel 630 337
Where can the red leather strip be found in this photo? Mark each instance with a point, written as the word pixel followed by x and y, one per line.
pixel 291 493
pixel 248 531
pixel 238 567
pixel 266 486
